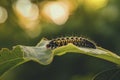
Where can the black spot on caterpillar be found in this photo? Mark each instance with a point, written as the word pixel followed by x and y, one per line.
pixel 77 41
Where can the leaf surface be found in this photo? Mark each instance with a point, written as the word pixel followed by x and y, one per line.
pixel 9 59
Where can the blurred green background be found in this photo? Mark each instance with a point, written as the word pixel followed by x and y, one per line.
pixel 26 22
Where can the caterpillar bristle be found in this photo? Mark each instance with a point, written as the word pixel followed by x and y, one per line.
pixel 77 41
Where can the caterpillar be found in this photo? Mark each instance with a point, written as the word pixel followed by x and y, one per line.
pixel 77 41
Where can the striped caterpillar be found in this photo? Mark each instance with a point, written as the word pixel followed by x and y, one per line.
pixel 77 41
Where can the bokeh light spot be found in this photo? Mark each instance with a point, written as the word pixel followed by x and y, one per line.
pixel 57 11
pixel 28 16
pixel 27 9
pixel 3 15
pixel 95 4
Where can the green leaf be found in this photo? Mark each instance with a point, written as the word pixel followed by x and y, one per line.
pixel 98 52
pixel 113 74
pixel 9 59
